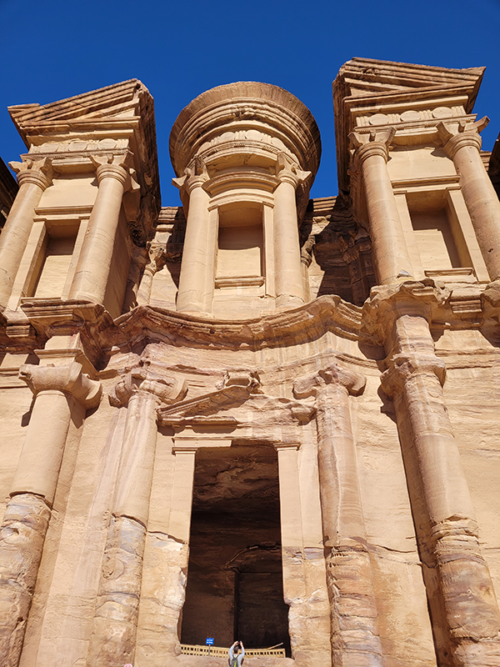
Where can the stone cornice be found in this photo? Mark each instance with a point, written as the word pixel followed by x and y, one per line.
pixel 328 313
pixel 442 307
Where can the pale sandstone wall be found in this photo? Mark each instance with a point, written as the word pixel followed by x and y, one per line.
pixel 405 628
pixel 70 190
pixel 15 406
pixel 473 398
pixel 381 562
pixel 66 594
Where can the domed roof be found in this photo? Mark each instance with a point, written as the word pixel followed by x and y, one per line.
pixel 244 103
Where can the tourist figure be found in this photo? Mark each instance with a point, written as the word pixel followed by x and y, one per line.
pixel 236 658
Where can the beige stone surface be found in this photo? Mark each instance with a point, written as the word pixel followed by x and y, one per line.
pixel 253 416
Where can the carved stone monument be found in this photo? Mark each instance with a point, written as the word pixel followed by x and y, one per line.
pixel 255 416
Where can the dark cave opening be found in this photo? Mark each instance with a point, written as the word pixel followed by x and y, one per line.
pixel 235 575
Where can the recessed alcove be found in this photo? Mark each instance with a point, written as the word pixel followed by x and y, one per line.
pixel 55 266
pixel 438 236
pixel 53 261
pixel 235 578
pixel 240 253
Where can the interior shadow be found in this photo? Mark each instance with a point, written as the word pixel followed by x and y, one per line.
pixel 235 578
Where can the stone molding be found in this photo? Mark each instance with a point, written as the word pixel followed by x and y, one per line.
pixel 69 379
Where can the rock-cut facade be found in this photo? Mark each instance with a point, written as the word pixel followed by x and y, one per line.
pixel 254 416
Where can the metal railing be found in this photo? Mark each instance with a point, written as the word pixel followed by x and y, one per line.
pixel 220 652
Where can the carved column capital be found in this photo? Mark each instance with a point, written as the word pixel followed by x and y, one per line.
pixel 195 176
pixel 375 142
pixel 389 302
pixel 353 383
pixel 287 171
pixel 156 256
pixel 38 172
pixel 408 366
pixel 141 380
pixel 68 379
pixel 113 166
pixel 457 135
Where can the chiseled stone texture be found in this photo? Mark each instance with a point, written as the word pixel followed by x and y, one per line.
pixel 252 416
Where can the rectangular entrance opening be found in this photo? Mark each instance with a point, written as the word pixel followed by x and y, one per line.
pixel 235 575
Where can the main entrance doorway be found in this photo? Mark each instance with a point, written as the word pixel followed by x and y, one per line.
pixel 235 576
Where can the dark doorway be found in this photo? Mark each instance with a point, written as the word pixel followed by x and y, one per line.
pixel 235 575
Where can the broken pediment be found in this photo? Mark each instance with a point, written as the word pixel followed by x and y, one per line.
pixel 115 103
pixel 111 120
pixel 364 77
pixel 240 403
pixel 370 93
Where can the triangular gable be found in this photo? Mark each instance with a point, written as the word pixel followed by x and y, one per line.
pixel 121 100
pixel 363 77
pixel 123 109
pixel 383 86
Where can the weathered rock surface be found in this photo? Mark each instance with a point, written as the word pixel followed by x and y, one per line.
pixel 252 416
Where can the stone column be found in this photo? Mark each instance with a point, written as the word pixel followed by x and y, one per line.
pixel 354 625
pixel 392 260
pixel 463 143
pixel 59 391
pixel 287 264
pixel 34 177
pixel 156 260
pixel 464 602
pixel 94 264
pixel 115 622
pixel 198 253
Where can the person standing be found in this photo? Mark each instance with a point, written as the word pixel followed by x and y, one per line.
pixel 235 657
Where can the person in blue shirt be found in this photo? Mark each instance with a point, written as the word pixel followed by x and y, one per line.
pixel 236 658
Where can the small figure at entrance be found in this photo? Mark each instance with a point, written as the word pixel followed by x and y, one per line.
pixel 236 658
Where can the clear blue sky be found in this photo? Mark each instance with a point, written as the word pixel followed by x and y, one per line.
pixel 178 49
